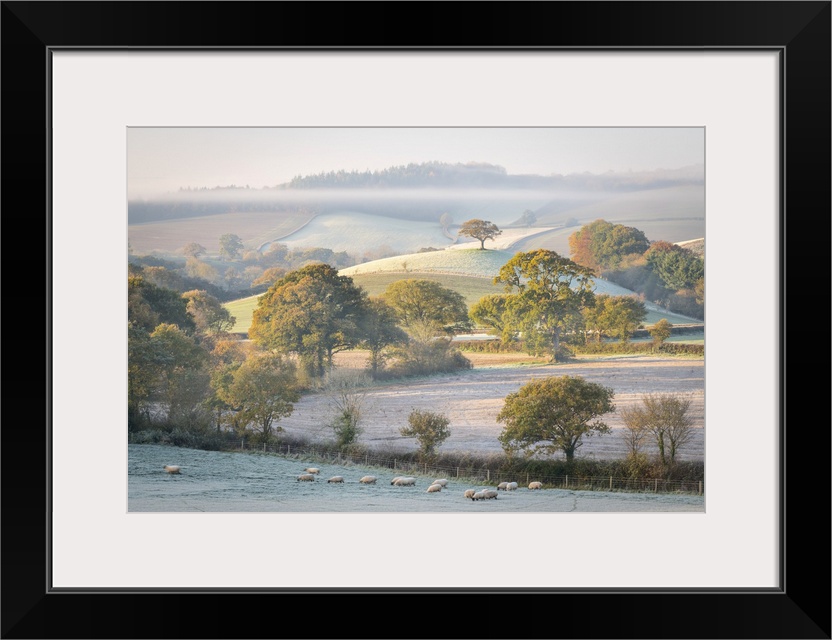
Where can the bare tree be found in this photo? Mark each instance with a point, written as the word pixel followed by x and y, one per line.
pixel 664 416
pixel 347 390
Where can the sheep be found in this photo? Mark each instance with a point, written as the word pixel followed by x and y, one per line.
pixel 511 486
pixel 336 479
pixel 314 470
pixel 172 468
pixel 489 494
pixel 441 481
pixel 479 495
pixel 405 482
pixel 368 480
pixel 434 488
pixel 396 479
pixel 306 477
pixel 535 485
pixel 502 486
pixel 469 493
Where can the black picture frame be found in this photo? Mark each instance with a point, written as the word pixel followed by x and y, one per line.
pixel 800 608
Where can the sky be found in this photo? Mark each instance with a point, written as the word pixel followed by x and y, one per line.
pixel 163 160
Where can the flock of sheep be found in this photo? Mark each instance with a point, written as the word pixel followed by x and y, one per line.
pixel 309 474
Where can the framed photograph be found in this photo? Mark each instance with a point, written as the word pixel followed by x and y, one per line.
pixel 85 82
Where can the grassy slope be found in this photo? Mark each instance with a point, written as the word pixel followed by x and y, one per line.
pixel 469 272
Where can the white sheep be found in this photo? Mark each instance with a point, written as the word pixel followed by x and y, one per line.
pixel 314 470
pixel 441 481
pixel 479 495
pixel 336 479
pixel 368 480
pixel 469 493
pixel 306 477
pixel 172 468
pixel 434 488
pixel 405 482
pixel 489 494
pixel 394 480
pixel 502 486
pixel 535 485
pixel 511 486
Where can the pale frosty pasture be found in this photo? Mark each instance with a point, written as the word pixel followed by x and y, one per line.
pixel 235 482
pixel 472 399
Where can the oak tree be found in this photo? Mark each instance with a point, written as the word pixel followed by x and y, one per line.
pixel 553 415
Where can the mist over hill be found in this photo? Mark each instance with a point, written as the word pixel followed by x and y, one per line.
pixel 418 192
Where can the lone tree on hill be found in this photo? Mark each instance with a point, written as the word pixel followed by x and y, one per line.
pixel 482 230
pixel 554 414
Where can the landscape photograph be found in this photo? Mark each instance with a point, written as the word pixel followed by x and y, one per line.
pixel 416 319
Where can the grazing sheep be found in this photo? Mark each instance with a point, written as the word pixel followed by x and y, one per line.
pixel 336 479
pixel 441 481
pixel 172 468
pixel 511 486
pixel 312 470
pixel 469 493
pixel 434 488
pixel 405 482
pixel 394 480
pixel 502 486
pixel 306 477
pixel 479 495
pixel 535 485
pixel 368 480
pixel 490 494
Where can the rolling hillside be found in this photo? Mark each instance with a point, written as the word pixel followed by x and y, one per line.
pixel 468 271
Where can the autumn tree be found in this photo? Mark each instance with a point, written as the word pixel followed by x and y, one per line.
pixel 182 380
pixel 547 294
pixel 616 316
pixel 208 313
pixel 677 267
pixel 489 311
pixel 312 312
pixel 230 246
pixel 602 245
pixel 553 415
pixel 426 309
pixel 227 355
pixel 149 305
pixel 193 249
pixel 666 417
pixel 380 331
pixel 263 389
pixel 430 430
pixel 482 230
pixel 660 331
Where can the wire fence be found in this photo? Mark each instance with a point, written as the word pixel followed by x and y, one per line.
pixel 476 474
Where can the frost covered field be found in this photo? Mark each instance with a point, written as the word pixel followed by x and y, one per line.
pixel 234 482
pixel 472 399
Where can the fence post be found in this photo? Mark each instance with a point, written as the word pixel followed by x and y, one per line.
pixel 288 449
pixel 242 443
pixel 610 483
pixel 457 474
pixel 527 478
pixel 426 468
pixel 366 459
pixel 656 486
pixel 567 482
pixel 488 475
pixel 264 447
pixel 700 487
